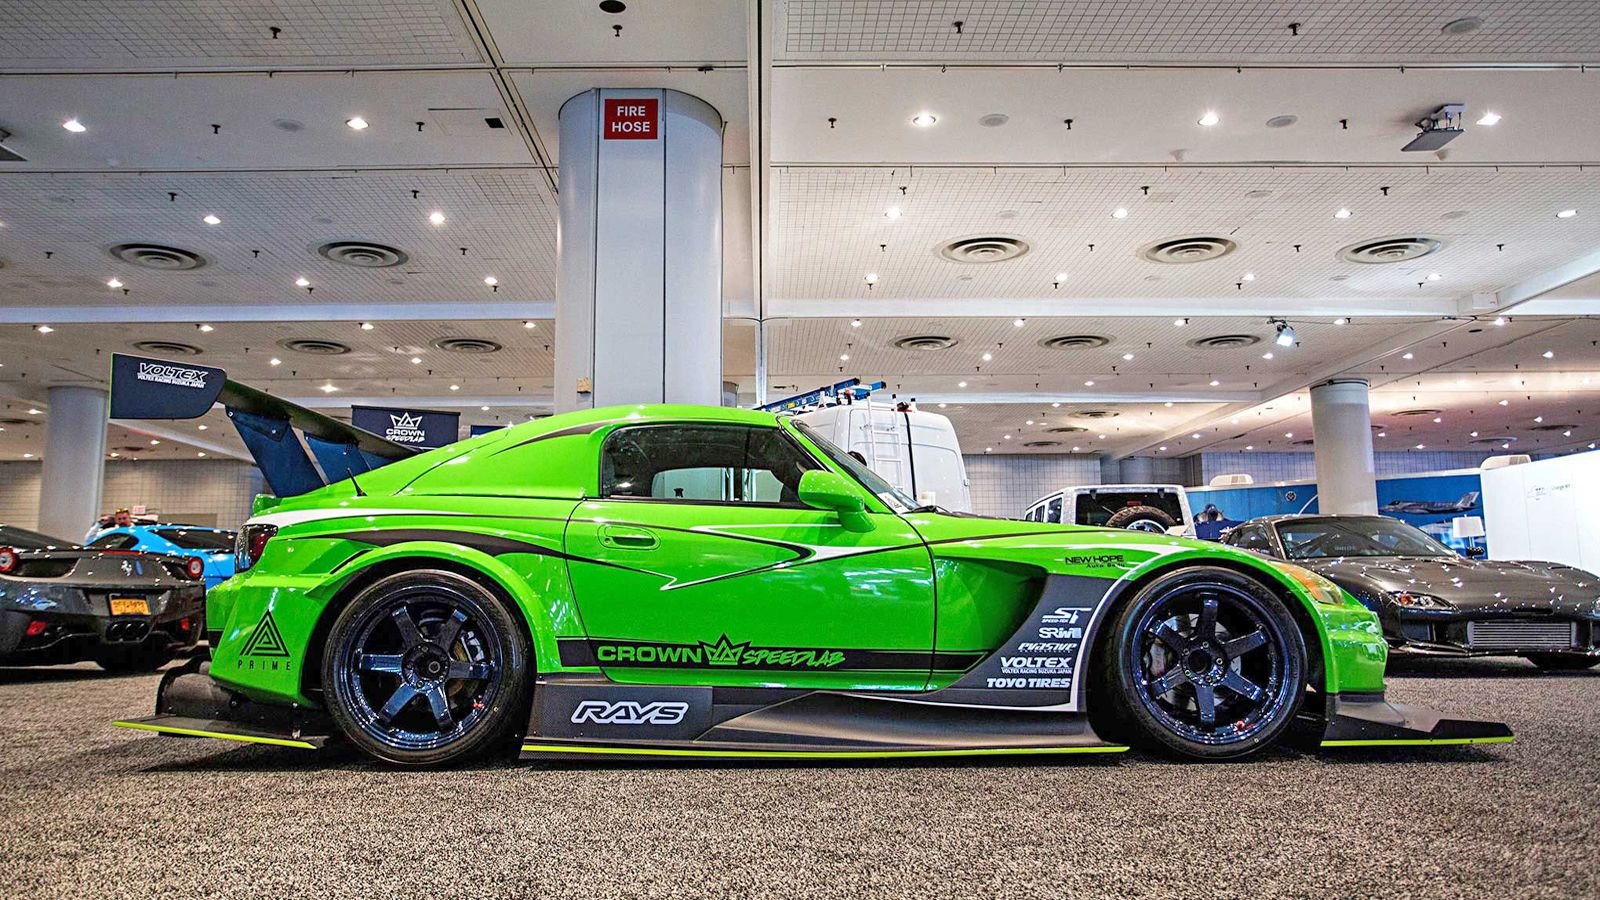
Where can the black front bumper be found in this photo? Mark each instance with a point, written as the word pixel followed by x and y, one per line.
pixel 1455 633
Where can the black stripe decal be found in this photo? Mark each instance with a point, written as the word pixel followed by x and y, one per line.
pixel 724 654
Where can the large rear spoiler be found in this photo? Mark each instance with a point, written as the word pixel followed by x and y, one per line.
pixel 144 388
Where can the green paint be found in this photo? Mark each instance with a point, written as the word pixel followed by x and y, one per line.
pixel 805 754
pixel 223 735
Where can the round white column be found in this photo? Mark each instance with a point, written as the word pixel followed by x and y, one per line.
pixel 74 461
pixel 1342 422
pixel 639 309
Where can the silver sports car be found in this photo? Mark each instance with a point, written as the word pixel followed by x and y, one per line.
pixel 1432 600
pixel 125 610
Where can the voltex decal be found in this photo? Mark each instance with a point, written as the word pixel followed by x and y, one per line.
pixel 266 648
pixel 178 376
pixel 1042 659
pixel 721 653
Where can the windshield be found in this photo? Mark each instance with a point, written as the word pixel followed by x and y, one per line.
pixel 23 539
pixel 858 470
pixel 190 539
pixel 1323 538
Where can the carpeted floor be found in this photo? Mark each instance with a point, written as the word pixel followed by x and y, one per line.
pixel 93 811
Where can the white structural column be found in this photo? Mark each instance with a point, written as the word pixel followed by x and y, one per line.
pixel 639 310
pixel 74 461
pixel 1342 422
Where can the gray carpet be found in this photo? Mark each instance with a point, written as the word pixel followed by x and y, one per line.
pixel 93 811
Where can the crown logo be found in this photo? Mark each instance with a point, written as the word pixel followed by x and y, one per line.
pixel 724 652
pixel 406 420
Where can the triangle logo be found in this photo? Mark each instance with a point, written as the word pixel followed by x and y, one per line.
pixel 266 641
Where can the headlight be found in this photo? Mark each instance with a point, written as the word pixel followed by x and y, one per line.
pixel 1414 600
pixel 1321 589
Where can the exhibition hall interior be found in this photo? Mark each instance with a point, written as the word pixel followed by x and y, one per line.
pixel 796 447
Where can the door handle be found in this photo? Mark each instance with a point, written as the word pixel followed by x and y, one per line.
pixel 622 537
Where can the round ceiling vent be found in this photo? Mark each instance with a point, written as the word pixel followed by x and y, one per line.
pixel 1414 413
pixel 362 254
pixel 167 348
pixel 1074 342
pixel 1393 249
pixel 1548 427
pixel 1283 121
pixel 10 421
pixel 925 342
pixel 1224 341
pixel 1096 414
pixel 983 249
pixel 314 346
pixel 1495 441
pixel 1041 443
pixel 467 345
pixel 156 256
pixel 1191 249
pixel 1067 429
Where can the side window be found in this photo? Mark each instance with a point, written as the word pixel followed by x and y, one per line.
pixel 703 463
pixel 1054 514
pixel 1252 537
pixel 115 542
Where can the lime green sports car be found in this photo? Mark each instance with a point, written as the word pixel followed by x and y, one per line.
pixel 693 581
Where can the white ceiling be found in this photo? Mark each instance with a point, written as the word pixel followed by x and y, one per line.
pixel 150 79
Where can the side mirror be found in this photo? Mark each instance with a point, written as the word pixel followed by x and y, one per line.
pixel 820 489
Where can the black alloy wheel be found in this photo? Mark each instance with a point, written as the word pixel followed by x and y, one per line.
pixel 425 667
pixel 1204 662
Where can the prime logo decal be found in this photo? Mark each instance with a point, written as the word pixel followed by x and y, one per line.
pixel 166 373
pixel 721 653
pixel 266 648
pixel 629 712
pixel 405 428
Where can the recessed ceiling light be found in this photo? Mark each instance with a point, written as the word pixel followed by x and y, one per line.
pixel 1383 434
pixel 366 326
pixel 34 411
pixel 204 328
pixel 1408 355
pixel 436 217
pixel 416 360
pixel 1019 322
pixel 844 357
pixel 1195 436
pixel 484 408
pixel 1499 320
pixel 987 357
pixel 1008 437
pixel 1119 213
pixel 1128 357
pixel 1248 276
pixel 1437 419
pixel 1100 437
pixel 356 122
pixel 115 455
pixel 530 324
pixel 1505 402
pixel 1267 355
pixel 1161 449
pixel 855 323
pixel 1249 446
pixel 455 387
pixel 490 280
pixel 1288 434
pixel 43 329
pixel 1180 322
pixel 1538 419
pixel 1341 321
pixel 327 389
pixel 27 456
pixel 943 405
pixel 1215 382
pixel 1209 118
pixel 154 442
pixel 1434 276
pixel 274 361
pixel 1089 383
pixel 1422 446
pixel 1029 422
pixel 74 126
pixel 211 219
pixel 1168 404
pixel 1566 214
pixel 114 283
pixel 1342 213
pixel 870 278
pixel 1055 406
pixel 892 212
pixel 202 427
pixel 988 449
pixel 1549 354
pixel 1489 118
pixel 924 120
pixel 1060 277
pixel 1567 433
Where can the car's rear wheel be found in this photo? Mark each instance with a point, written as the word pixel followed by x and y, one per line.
pixel 1141 518
pixel 424 668
pixel 1203 662
pixel 1563 662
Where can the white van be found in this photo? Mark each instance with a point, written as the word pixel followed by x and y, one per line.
pixel 915 451
pixel 1161 508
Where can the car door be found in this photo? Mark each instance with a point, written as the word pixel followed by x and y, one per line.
pixel 697 564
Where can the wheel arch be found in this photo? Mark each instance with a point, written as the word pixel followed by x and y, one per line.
pixel 481 568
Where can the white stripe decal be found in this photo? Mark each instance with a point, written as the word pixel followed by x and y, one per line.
pixel 298 517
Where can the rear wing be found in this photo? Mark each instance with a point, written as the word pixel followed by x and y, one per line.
pixel 151 389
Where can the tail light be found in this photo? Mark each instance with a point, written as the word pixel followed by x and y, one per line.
pixel 9 560
pixel 195 568
pixel 251 544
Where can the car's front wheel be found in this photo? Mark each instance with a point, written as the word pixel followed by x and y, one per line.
pixel 1203 662
pixel 425 667
pixel 1563 662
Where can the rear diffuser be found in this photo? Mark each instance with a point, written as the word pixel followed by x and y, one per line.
pixel 190 703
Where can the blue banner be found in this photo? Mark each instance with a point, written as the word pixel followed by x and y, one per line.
pixel 422 428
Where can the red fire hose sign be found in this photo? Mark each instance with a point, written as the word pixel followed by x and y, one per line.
pixel 631 120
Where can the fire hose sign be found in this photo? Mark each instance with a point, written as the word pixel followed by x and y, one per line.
pixel 631 120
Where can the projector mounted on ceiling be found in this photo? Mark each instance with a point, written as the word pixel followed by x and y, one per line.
pixel 1439 127
pixel 6 153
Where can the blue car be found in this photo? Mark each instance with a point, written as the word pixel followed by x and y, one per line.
pixel 214 546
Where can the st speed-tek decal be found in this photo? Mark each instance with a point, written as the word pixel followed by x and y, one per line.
pixel 724 653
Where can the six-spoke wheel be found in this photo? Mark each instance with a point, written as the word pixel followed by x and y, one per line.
pixel 425 667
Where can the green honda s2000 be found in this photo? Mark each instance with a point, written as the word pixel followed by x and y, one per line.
pixel 688 581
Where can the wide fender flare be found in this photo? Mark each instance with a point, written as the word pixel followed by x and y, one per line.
pixel 534 613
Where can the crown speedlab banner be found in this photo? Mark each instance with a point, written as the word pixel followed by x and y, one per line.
pixel 408 427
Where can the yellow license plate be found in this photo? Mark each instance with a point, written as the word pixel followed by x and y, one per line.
pixel 130 606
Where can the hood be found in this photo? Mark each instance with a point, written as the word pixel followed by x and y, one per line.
pixel 1468 584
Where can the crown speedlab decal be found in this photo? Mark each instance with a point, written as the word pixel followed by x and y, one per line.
pixel 721 653
pixel 405 429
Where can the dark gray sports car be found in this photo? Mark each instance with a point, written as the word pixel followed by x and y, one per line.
pixel 125 610
pixel 1433 601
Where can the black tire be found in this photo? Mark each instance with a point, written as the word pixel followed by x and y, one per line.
pixel 131 658
pixel 425 668
pixel 1563 662
pixel 1194 637
pixel 1141 518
